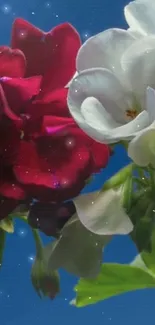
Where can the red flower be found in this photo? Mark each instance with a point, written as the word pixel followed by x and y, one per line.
pixel 53 158
pixel 10 190
pixel 36 53
pixel 57 51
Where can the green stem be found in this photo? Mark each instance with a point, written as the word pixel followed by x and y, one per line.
pixel 152 178
pixel 39 244
pixel 127 193
pixel 139 181
pixel 119 178
pixel 141 174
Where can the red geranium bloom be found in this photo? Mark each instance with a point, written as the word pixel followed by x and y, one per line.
pixel 54 157
pixel 57 52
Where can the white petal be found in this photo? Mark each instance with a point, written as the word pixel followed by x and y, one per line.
pixel 102 213
pixel 104 50
pixel 140 16
pixel 105 126
pixel 77 250
pixel 138 64
pixel 150 103
pixel 136 34
pixel 142 148
pixel 102 85
pixel 97 102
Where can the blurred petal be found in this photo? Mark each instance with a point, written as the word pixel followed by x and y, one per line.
pixel 102 213
pixel 77 250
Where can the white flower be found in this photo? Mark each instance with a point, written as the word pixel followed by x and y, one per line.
pixel 102 213
pixel 108 98
pixel 140 15
pixel 142 148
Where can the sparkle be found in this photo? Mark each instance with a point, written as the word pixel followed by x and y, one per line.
pixel 70 143
pixel 22 34
pixel 22 233
pixel 85 35
pixel 48 5
pixel 31 258
pixel 6 9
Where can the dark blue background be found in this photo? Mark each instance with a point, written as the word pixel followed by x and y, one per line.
pixel 19 304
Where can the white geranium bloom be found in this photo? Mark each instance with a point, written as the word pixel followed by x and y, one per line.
pixel 142 148
pixel 108 98
pixel 102 213
pixel 140 15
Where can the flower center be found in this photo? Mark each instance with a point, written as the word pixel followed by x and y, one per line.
pixel 132 113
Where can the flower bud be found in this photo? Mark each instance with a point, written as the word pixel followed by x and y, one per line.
pixel 45 282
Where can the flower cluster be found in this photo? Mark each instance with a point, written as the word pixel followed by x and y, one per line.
pixel 62 114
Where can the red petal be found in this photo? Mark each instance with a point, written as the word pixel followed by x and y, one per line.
pixel 53 125
pixel 42 174
pixel 100 154
pixel 12 62
pixel 12 190
pixel 53 103
pixel 19 91
pixel 30 169
pixel 29 39
pixel 9 142
pixel 6 110
pixel 62 64
pixel 52 52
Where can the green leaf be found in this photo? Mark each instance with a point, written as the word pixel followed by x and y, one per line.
pixel 7 225
pixel 114 279
pixel 78 251
pixel 2 244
